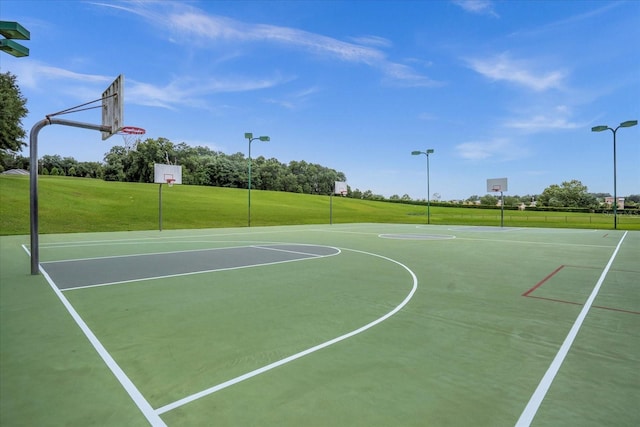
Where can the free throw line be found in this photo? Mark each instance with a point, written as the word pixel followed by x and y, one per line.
pixel 541 391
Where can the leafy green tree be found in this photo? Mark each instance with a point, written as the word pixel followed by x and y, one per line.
pixel 635 198
pixel 489 200
pixel 271 173
pixel 10 160
pixel 512 200
pixel 12 111
pixel 570 194
pixel 51 161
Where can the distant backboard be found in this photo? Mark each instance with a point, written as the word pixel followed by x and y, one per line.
pixel 167 174
pixel 496 185
pixel 113 107
pixel 340 187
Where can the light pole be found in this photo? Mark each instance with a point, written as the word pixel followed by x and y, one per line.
pixel 426 153
pixel 250 137
pixel 601 128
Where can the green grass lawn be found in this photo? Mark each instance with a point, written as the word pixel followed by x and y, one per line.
pixel 70 205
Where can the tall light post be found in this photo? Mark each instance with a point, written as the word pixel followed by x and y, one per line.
pixel 601 128
pixel 426 153
pixel 250 137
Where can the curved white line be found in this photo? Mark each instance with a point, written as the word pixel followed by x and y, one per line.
pixel 293 357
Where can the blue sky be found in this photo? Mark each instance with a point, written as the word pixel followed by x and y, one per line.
pixel 497 89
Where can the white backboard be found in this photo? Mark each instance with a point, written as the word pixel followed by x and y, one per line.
pixel 496 185
pixel 113 107
pixel 340 187
pixel 167 174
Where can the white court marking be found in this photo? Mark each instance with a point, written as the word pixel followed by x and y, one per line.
pixel 145 407
pixel 541 391
pixel 236 380
pixel 153 416
pixel 405 236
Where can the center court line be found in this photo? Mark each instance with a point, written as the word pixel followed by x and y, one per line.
pixel 221 386
pixel 536 399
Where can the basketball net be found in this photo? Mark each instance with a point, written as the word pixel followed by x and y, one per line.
pixel 131 136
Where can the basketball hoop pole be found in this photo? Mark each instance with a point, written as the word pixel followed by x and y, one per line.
pixel 501 210
pixel 33 179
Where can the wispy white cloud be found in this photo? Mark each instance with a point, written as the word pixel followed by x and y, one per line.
pixel 556 118
pixel 295 100
pixel 502 67
pixel 543 123
pixel 35 75
pixel 570 21
pixel 195 25
pixel 481 7
pixel 372 41
pixel 403 75
pixel 190 92
pixel 501 149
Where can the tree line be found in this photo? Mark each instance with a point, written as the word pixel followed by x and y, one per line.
pixel 200 166
pixel 203 166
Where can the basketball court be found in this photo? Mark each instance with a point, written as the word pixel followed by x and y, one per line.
pixel 350 324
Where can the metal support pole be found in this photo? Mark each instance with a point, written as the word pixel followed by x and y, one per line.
pixel 249 204
pixel 331 209
pixel 501 209
pixel 428 192
pixel 160 207
pixel 615 193
pixel 33 180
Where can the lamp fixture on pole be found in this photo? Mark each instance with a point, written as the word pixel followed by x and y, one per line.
pixel 426 153
pixel 602 128
pixel 250 137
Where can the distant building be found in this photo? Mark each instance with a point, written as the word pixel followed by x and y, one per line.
pixel 609 202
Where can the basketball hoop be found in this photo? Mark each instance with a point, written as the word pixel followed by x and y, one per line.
pixel 496 189
pixel 131 136
pixel 170 181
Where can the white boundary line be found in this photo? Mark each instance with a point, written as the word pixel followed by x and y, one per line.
pixel 536 399
pixel 293 357
pixel 147 410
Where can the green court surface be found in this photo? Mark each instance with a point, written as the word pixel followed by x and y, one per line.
pixel 327 325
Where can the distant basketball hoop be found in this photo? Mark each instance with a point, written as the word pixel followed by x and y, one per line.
pixel 170 181
pixel 498 185
pixel 131 136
